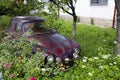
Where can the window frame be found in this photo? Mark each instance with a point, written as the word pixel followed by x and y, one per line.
pixel 99 3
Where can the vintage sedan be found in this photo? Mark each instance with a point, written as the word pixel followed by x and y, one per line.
pixel 56 47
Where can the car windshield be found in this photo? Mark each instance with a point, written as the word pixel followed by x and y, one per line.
pixel 36 28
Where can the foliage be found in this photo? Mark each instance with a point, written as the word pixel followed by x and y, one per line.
pixel 18 64
pixel 52 23
pixel 65 5
pixel 14 8
pixel 4 21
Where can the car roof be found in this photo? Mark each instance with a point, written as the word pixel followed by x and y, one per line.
pixel 24 19
pixel 28 19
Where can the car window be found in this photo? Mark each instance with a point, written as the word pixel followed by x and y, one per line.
pixel 35 28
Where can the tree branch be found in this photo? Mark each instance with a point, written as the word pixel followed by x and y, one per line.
pixel 54 2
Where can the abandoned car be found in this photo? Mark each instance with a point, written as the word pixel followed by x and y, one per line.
pixel 56 47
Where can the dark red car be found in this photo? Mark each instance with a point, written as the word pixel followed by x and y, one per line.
pixel 56 47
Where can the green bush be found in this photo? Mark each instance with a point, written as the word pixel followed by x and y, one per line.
pixel 18 64
pixel 4 21
pixel 15 8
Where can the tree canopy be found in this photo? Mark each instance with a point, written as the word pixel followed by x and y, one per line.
pixel 16 7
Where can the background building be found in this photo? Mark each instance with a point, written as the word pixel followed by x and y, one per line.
pixel 97 12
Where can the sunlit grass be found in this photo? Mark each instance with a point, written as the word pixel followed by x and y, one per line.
pixel 92 39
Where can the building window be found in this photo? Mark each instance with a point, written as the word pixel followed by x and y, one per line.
pixel 99 2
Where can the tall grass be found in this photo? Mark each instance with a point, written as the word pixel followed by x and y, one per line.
pixel 92 39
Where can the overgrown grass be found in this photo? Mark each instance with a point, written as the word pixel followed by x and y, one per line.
pixel 96 43
pixel 92 39
pixel 98 61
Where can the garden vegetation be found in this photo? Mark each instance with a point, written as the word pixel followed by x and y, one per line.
pixel 98 61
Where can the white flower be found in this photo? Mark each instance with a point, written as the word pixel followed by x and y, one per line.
pixel 83 66
pixel 118 55
pixel 90 74
pixel 101 67
pixel 113 58
pixel 84 60
pixel 106 56
pixel 110 64
pixel 114 62
pixel 85 57
pixel 43 69
pixel 115 42
pixel 95 57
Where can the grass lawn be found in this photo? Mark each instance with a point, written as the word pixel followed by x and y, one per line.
pixel 92 39
pixel 98 61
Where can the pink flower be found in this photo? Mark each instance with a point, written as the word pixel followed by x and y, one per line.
pixel 32 78
pixel 11 75
pixel 8 66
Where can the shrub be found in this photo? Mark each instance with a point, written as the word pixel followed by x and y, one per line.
pixel 4 21
pixel 18 64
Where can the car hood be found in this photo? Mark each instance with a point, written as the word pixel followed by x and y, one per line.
pixel 55 44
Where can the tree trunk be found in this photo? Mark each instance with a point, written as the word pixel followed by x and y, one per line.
pixel 74 30
pixel 74 26
pixel 117 3
pixel 58 13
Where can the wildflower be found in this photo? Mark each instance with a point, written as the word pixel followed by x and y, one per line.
pixel 110 64
pixel 118 55
pixel 32 78
pixel 85 57
pixel 90 74
pixel 43 69
pixel 84 60
pixel 95 57
pixel 101 67
pixel 11 75
pixel 114 62
pixel 83 66
pixel 115 42
pixel 8 66
pixel 106 56
pixel 91 59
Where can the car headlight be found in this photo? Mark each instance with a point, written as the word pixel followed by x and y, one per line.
pixel 67 59
pixel 76 50
pixel 58 59
pixel 50 58
pixel 75 54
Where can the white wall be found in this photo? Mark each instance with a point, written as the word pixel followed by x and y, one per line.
pixel 84 9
